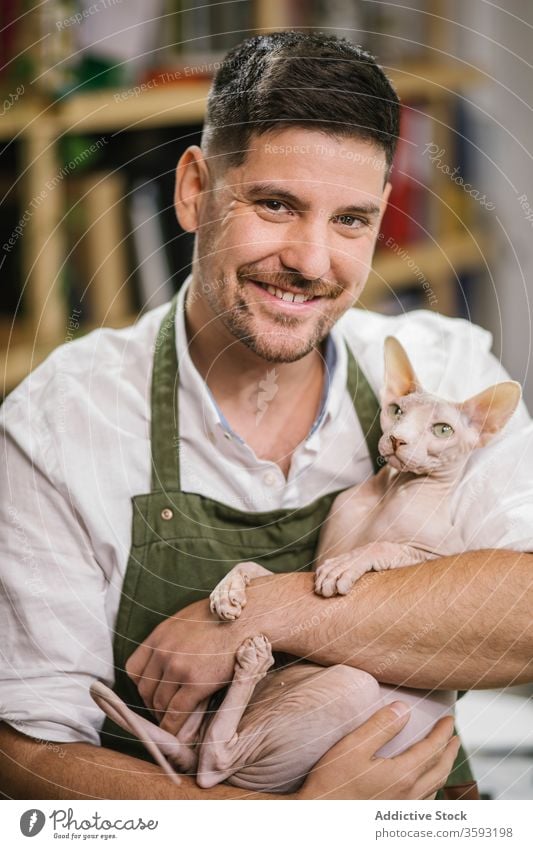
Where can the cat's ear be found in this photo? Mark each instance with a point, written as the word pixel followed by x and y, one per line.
pixel 400 378
pixel 490 411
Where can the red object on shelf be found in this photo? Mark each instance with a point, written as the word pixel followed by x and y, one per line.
pixel 406 216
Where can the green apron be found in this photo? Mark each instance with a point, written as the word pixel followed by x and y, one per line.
pixel 183 544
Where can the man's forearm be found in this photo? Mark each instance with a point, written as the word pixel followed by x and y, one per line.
pixel 455 623
pixel 34 770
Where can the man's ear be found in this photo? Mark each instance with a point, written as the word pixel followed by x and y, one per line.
pixel 490 411
pixel 192 179
pixel 400 378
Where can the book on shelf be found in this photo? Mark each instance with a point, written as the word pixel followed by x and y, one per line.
pixel 406 219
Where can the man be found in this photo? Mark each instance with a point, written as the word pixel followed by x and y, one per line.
pixel 240 412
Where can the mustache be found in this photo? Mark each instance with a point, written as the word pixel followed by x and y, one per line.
pixel 318 288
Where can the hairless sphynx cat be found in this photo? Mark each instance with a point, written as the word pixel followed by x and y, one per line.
pixel 270 729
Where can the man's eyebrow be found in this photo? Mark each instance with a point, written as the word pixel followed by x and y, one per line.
pixel 370 209
pixel 274 190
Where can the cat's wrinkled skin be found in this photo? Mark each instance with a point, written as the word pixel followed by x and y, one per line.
pixel 272 728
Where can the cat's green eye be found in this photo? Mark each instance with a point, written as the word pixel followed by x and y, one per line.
pixel 394 410
pixel 442 429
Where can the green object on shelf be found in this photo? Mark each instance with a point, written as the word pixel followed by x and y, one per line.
pixel 93 73
pixel 79 153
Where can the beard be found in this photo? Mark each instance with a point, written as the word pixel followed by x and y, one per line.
pixel 287 338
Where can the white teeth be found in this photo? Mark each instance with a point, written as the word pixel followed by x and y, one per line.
pixel 285 296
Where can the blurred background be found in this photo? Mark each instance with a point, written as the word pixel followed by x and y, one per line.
pixel 100 97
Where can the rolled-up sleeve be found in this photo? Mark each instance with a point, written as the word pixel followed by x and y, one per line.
pixel 55 636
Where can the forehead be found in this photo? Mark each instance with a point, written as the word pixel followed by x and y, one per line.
pixel 309 161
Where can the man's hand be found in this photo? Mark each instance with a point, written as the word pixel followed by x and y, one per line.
pixel 183 661
pixel 351 770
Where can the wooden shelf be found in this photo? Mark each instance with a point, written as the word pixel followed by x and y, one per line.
pixel 433 81
pixel 22 117
pixel 428 266
pixel 109 110
pixel 457 252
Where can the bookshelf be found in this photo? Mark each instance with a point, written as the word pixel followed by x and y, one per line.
pixel 39 124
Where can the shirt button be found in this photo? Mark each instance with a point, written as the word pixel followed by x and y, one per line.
pixel 227 435
pixel 166 514
pixel 269 478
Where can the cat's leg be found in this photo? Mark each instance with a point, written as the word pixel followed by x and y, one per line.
pixel 348 514
pixel 229 596
pixel 337 575
pixel 220 751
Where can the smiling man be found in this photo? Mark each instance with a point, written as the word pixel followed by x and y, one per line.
pixel 220 429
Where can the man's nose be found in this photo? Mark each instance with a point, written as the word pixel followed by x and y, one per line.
pixel 396 442
pixel 307 252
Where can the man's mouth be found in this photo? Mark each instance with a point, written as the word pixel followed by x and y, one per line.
pixel 285 294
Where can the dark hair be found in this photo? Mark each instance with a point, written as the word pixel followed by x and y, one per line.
pixel 285 79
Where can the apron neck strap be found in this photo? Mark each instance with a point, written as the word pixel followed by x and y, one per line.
pixel 366 407
pixel 165 440
pixel 164 427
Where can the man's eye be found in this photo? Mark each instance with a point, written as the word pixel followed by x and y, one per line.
pixel 350 221
pixel 273 205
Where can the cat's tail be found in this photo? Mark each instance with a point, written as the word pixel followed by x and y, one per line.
pixel 155 739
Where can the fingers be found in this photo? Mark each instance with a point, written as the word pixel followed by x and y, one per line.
pixel 184 702
pixel 423 756
pixel 435 778
pixel 375 732
pixel 148 678
pixel 350 770
pixel 156 690
pixel 137 661
pixel 162 697
pixel 171 701
pixel 382 726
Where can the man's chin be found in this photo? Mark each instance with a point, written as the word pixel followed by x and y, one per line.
pixel 276 339
pixel 289 351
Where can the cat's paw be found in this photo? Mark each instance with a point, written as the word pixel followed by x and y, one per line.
pixel 337 575
pixel 253 657
pixel 229 596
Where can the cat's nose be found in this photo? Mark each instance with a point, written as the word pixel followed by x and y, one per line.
pixel 396 442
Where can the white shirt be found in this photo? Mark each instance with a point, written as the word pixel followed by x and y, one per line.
pixel 76 449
